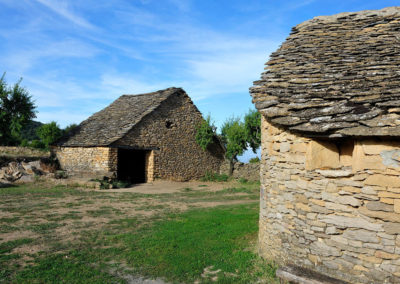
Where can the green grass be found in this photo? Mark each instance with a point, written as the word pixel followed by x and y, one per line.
pixel 180 248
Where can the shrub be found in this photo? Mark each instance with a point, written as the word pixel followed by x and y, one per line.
pixel 210 176
pixel 37 144
pixel 254 160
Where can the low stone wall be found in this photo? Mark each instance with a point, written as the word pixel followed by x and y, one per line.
pixel 242 170
pixel 23 152
pixel 331 207
pixel 91 160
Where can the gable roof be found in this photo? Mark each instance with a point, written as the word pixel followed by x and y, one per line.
pixel 113 122
pixel 336 76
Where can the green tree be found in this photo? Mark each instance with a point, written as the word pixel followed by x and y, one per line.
pixel 252 126
pixel 233 136
pixel 49 133
pixel 206 132
pixel 16 110
pixel 69 128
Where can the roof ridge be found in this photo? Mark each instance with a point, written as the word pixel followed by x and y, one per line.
pixel 388 11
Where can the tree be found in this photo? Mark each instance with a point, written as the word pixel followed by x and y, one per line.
pixel 69 128
pixel 252 126
pixel 49 133
pixel 16 110
pixel 233 136
pixel 206 132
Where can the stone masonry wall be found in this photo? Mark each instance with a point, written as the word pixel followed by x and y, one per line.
pixel 170 132
pixel 91 160
pixel 249 171
pixel 331 207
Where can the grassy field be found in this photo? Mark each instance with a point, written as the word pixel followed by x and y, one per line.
pixel 58 234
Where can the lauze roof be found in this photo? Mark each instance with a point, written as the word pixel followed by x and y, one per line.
pixel 336 76
pixel 113 122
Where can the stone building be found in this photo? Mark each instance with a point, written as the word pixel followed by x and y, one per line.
pixel 139 138
pixel 330 169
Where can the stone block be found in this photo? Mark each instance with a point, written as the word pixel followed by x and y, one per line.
pixel 322 155
pixel 379 206
pixel 387 194
pixel 348 200
pixel 371 259
pixel 361 235
pixel 385 255
pixel 385 216
pixel 396 205
pixel 391 228
pixel 351 222
pixel 383 180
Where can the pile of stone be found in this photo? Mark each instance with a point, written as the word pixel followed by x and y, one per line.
pixel 20 171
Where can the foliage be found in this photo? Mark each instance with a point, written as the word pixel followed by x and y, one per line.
pixel 210 176
pixel 16 110
pixel 254 160
pixel 37 144
pixel 252 126
pixel 206 132
pixel 49 133
pixel 28 132
pixel 233 136
pixel 69 128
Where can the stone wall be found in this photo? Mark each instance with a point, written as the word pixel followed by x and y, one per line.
pixel 242 170
pixel 170 132
pixel 17 151
pixel 333 207
pixel 97 161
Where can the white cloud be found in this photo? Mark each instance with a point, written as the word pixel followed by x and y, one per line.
pixel 62 9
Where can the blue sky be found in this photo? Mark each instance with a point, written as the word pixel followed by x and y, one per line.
pixel 76 57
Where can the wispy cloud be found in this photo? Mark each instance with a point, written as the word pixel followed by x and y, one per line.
pixel 62 8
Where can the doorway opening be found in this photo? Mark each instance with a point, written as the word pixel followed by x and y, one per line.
pixel 132 165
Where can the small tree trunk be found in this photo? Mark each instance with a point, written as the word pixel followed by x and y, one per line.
pixel 231 167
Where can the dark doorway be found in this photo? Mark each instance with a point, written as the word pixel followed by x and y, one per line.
pixel 132 165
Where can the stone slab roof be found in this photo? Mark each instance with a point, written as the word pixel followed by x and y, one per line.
pixel 336 76
pixel 113 122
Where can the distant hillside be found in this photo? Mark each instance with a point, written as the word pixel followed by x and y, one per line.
pixel 29 131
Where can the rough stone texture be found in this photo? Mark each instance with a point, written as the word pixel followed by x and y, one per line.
pixel 335 218
pixel 336 76
pixel 249 171
pixel 163 123
pixel 99 161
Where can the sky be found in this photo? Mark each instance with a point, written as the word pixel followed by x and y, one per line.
pixel 76 57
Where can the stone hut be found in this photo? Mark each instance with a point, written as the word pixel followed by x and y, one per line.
pixel 330 169
pixel 139 138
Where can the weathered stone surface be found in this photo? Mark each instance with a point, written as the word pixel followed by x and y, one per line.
pixel 351 222
pixel 348 200
pixel 392 228
pixel 385 216
pixel 335 173
pixel 379 206
pixel 382 180
pixel 361 235
pixel 322 155
pixel 396 205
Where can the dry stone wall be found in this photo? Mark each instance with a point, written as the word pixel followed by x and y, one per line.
pixel 331 207
pixel 99 161
pixel 170 133
pixel 249 171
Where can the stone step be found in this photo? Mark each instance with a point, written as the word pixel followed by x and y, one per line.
pixel 297 275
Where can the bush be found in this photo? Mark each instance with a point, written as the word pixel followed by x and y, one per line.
pixel 37 144
pixel 210 176
pixel 254 160
pixel 243 180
